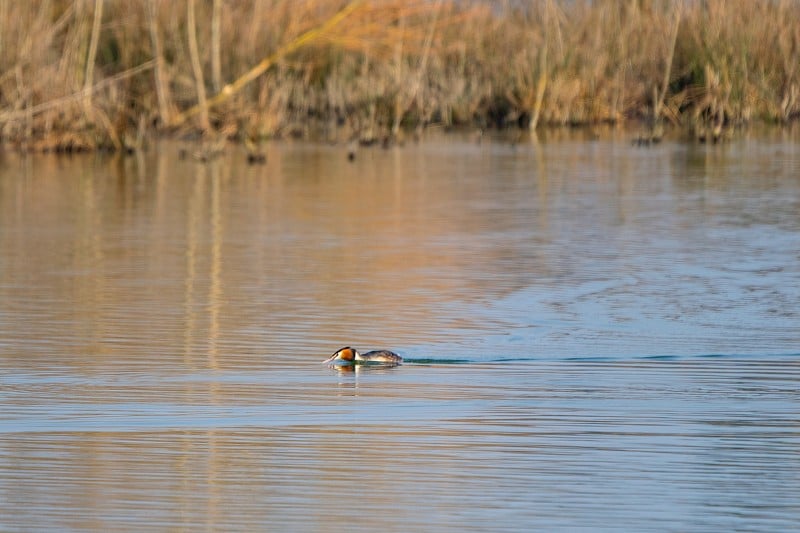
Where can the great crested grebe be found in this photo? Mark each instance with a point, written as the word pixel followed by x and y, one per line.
pixel 348 355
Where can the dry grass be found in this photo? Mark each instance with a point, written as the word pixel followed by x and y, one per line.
pixel 75 78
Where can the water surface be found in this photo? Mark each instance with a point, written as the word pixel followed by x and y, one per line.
pixel 599 337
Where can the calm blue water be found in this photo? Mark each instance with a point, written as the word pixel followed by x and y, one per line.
pixel 598 336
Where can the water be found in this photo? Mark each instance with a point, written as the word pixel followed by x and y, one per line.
pixel 599 337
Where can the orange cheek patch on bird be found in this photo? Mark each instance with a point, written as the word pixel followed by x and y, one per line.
pixel 344 355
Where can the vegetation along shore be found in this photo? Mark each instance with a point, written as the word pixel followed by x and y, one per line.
pixel 94 74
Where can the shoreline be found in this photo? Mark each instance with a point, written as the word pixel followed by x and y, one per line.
pixel 202 149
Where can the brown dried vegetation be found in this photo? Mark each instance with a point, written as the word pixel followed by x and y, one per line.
pixel 88 74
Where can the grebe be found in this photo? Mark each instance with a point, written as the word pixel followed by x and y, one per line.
pixel 350 355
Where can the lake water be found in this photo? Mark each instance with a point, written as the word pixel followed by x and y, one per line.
pixel 598 337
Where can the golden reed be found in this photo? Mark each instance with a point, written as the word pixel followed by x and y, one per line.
pixel 94 74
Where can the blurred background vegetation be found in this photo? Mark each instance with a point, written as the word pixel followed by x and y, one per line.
pixel 88 74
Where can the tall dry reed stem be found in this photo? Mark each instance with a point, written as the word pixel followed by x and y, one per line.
pixel 197 68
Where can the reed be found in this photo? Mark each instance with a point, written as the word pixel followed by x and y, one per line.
pixel 81 75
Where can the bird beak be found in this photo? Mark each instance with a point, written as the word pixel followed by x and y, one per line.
pixel 331 358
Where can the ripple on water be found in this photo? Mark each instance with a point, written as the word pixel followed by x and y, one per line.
pixel 494 445
pixel 597 337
